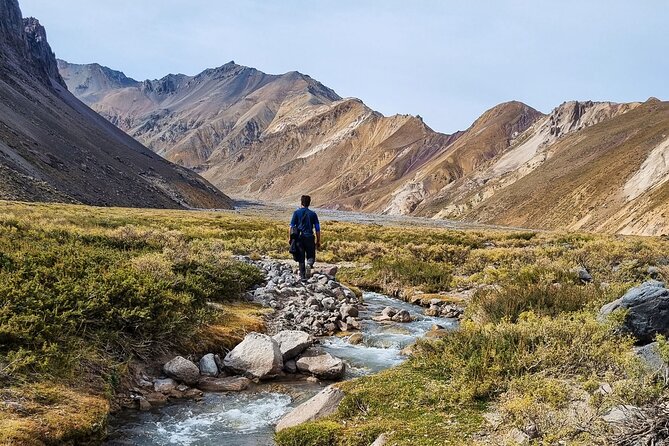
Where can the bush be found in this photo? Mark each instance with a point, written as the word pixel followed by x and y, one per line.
pixel 543 292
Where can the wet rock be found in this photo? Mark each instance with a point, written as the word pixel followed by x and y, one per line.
pixel 348 310
pixel 156 398
pixel 257 356
pixel 389 311
pixel 164 385
pixel 290 366
pixel 355 339
pixel 208 365
pixel 402 316
pixel 144 405
pixel 323 404
pixel 321 364
pixel 229 384
pixel 381 318
pixel 353 324
pixel 182 370
pixel 648 310
pixel 292 342
pixel 432 311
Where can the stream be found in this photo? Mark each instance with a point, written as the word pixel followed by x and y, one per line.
pixel 248 418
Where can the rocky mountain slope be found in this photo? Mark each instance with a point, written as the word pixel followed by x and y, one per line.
pixel 598 167
pixel 54 148
pixel 586 165
pixel 273 137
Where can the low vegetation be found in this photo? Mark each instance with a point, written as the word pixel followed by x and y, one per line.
pixel 84 291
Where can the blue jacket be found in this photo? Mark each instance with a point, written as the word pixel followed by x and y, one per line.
pixel 306 221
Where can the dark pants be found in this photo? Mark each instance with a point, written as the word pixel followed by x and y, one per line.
pixel 306 254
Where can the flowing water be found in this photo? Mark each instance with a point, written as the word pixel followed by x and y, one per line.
pixel 248 418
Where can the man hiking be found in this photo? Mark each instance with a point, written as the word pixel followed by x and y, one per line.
pixel 303 243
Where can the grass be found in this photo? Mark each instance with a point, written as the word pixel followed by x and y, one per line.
pixel 84 291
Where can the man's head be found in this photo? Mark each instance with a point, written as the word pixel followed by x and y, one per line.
pixel 305 200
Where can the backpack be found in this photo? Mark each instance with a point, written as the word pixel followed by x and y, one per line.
pixel 295 234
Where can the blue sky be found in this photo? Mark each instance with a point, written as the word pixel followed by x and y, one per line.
pixel 448 61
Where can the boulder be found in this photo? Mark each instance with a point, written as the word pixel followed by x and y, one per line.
pixel 321 364
pixel 323 404
pixel 651 358
pixel 229 384
pixel 164 385
pixel 348 310
pixel 208 365
pixel 292 342
pixel 353 323
pixel 182 370
pixel 389 311
pixel 402 316
pixel 355 339
pixel 648 310
pixel 257 356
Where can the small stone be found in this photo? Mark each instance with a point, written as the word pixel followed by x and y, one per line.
pixel 348 310
pixel 155 398
pixel 290 366
pixel 182 370
pixel 355 339
pixel 164 385
pixel 230 384
pixel 144 405
pixel 208 365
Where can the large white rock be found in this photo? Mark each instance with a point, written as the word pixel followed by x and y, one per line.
pixel 321 364
pixel 323 404
pixel 182 370
pixel 292 342
pixel 257 356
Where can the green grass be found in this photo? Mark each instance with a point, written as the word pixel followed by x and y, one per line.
pixel 84 290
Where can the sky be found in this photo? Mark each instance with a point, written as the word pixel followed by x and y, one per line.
pixel 447 61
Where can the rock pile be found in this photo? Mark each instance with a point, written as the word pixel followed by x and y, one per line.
pixel 440 308
pixel 321 306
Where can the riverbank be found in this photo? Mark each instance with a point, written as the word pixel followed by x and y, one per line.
pixel 140 279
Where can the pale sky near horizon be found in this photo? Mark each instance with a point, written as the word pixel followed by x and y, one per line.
pixel 447 61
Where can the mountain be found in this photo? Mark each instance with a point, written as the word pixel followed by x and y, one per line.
pixel 586 165
pixel 273 137
pixel 54 148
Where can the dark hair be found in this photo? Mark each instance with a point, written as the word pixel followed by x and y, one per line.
pixel 305 200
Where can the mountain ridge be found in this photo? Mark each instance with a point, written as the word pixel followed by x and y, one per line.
pixel 54 148
pixel 279 136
